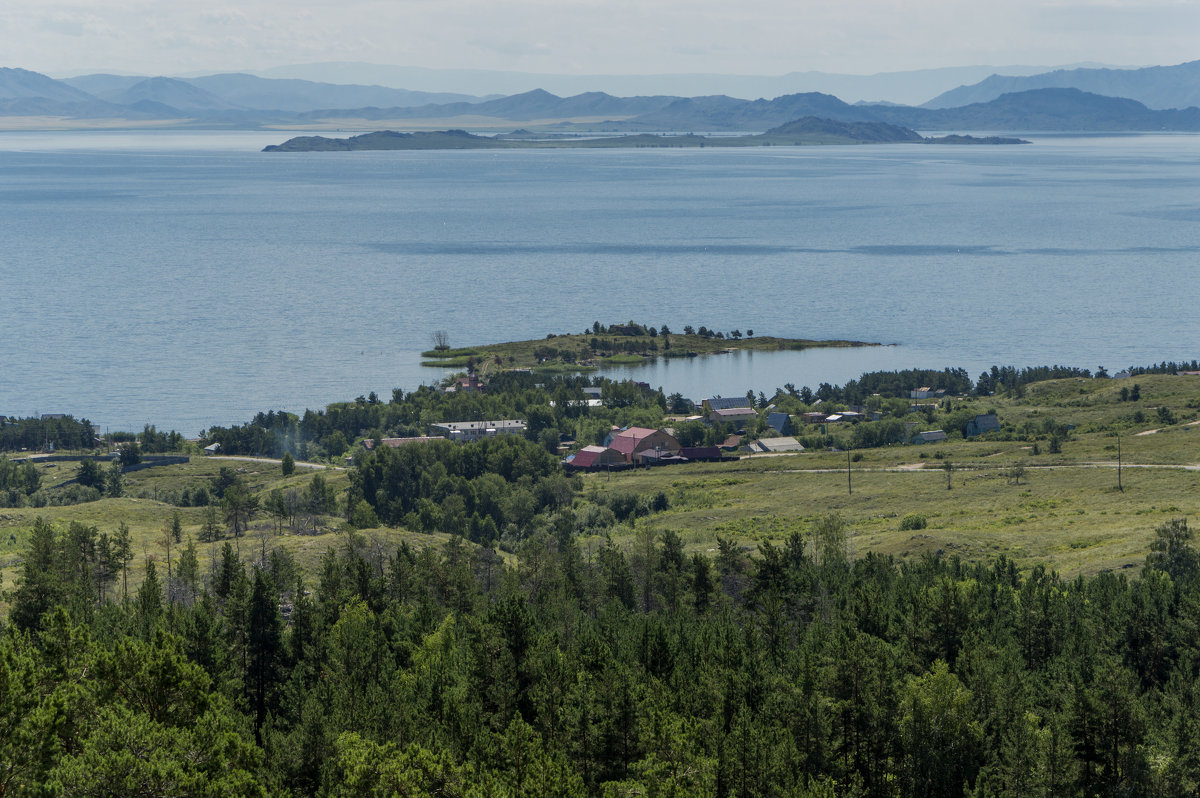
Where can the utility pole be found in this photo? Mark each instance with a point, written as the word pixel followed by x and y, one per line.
pixel 1120 487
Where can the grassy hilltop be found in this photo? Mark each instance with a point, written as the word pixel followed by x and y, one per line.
pixel 1062 509
pixel 149 518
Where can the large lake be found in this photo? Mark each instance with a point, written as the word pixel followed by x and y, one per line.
pixel 187 279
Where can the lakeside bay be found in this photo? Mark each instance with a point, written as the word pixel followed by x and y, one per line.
pixel 186 280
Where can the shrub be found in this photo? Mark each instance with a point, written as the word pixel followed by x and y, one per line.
pixel 74 494
pixel 362 516
pixel 623 504
pixel 912 521
pixel 593 518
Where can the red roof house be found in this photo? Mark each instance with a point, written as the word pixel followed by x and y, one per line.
pixel 634 440
pixel 592 457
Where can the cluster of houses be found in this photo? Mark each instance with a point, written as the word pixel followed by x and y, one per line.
pixel 642 446
pixel 638 446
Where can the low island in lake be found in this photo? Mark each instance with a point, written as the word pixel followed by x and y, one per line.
pixel 612 345
pixel 808 131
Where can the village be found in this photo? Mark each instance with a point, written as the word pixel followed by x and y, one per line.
pixel 743 430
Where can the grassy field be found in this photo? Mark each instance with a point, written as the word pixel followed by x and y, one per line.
pixel 1066 510
pixel 1071 518
pixel 149 518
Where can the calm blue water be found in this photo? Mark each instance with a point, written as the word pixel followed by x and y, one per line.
pixel 187 279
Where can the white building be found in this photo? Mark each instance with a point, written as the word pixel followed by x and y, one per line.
pixel 474 430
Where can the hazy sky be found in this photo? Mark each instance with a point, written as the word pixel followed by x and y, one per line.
pixel 767 37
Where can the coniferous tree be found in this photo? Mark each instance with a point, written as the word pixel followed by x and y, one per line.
pixel 148 604
pixel 264 649
pixel 123 549
pixel 40 585
pixel 114 483
pixel 188 570
pixel 210 529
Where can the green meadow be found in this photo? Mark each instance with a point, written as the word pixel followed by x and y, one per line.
pixel 1012 497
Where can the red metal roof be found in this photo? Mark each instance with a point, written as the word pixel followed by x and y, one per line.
pixel 626 441
pixel 587 456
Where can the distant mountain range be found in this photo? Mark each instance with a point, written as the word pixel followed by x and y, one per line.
pixel 1039 109
pixel 247 101
pixel 910 87
pixel 1046 109
pixel 531 105
pixel 246 92
pixel 1159 87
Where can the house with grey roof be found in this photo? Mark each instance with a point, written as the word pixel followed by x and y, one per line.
pixel 737 416
pixel 723 403
pixel 474 430
pixel 780 422
pixel 986 422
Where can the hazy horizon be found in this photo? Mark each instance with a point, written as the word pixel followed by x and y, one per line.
pixel 911 87
pixel 773 38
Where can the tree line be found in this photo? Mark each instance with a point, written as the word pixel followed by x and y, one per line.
pixel 789 670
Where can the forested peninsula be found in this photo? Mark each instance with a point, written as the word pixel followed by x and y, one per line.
pixel 614 344
pixel 808 131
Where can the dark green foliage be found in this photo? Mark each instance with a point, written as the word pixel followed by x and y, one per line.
pixel 507 480
pixel 1172 551
pixel 210 529
pixel 90 475
pixel 239 506
pixel 151 440
pixel 23 477
pixel 899 383
pixel 288 464
pixel 332 431
pixel 35 433
pixel 131 454
pixel 1166 367
pixel 114 483
pixel 225 479
pixel 264 650
pixel 789 670
pixel 41 584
